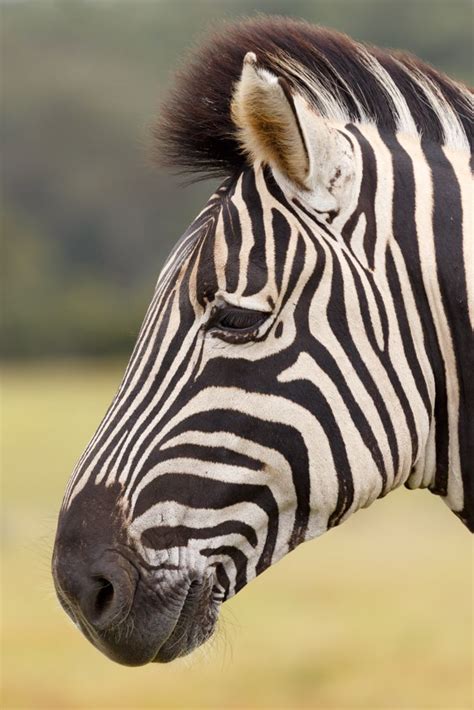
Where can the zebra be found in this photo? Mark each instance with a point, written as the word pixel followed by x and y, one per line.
pixel 308 347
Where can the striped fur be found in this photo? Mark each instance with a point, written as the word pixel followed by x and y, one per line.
pixel 226 448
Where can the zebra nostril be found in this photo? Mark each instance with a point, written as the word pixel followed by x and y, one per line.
pixel 104 598
pixel 107 598
pixel 101 595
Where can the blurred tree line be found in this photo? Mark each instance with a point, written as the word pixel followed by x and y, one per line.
pixel 87 220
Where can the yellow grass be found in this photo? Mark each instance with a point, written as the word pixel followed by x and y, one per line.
pixel 376 614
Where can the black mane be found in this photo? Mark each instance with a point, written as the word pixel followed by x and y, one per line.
pixel 195 132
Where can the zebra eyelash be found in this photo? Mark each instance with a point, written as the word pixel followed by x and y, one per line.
pixel 235 324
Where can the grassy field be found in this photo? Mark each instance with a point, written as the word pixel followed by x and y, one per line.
pixel 376 614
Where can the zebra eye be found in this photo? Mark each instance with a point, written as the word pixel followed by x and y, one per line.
pixel 236 320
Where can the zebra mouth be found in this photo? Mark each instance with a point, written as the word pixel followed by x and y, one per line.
pixel 194 625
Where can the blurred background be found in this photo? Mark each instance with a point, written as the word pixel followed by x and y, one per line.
pixel 377 614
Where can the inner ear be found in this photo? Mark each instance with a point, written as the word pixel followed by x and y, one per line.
pixel 291 103
pixel 267 121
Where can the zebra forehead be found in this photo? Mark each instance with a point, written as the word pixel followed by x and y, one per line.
pixel 198 242
pixel 344 80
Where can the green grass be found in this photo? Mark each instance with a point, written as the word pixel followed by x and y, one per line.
pixel 376 614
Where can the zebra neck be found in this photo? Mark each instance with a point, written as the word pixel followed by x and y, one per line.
pixel 433 232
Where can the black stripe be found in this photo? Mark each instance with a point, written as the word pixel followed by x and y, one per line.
pixel 257 269
pixel 238 558
pixel 451 275
pixel 163 537
pixel 405 331
pixel 206 277
pixel 202 452
pixel 366 203
pixel 281 235
pixel 222 578
pixel 233 239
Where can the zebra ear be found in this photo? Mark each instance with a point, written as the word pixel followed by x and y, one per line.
pixel 278 127
pixel 268 127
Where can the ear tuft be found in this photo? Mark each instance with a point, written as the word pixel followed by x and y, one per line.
pixel 250 58
pixel 266 119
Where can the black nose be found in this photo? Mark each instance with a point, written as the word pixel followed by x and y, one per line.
pixel 100 593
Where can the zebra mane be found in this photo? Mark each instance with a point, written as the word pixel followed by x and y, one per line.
pixel 344 80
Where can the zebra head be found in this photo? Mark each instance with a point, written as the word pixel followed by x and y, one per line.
pixel 279 382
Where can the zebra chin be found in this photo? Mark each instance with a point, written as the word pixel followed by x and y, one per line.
pixel 157 637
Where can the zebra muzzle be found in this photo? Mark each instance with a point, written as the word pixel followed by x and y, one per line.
pixel 124 614
pixel 131 611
